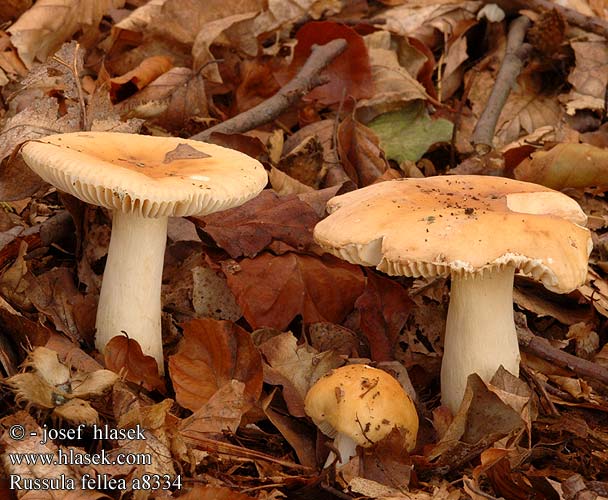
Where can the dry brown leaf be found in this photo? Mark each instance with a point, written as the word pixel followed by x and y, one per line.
pixel 227 29
pixel 222 412
pixel 295 367
pixel 525 111
pixel 588 77
pixel 172 99
pixel 384 307
pixel 211 297
pixel 55 294
pixel 273 290
pixel 300 436
pixel 146 72
pixel 125 357
pixel 41 30
pixel 393 85
pixel 40 118
pixel 248 229
pixel 33 444
pixel 283 184
pixel 305 163
pixel 211 354
pixel 360 152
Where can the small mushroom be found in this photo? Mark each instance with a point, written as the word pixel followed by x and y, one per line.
pixel 479 230
pixel 144 180
pixel 358 405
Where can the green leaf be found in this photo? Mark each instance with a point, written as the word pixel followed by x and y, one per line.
pixel 408 133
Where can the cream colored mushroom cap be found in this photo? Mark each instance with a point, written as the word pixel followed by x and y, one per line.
pixel 362 402
pixel 445 225
pixel 151 176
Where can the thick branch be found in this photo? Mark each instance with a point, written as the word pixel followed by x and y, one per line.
pixel 307 78
pixel 543 349
pixel 507 75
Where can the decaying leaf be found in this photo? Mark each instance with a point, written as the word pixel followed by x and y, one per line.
pixel 211 354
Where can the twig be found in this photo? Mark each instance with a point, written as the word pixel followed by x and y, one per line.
pixel 592 24
pixel 542 348
pixel 238 451
pixel 307 78
pixel 540 388
pixel 507 74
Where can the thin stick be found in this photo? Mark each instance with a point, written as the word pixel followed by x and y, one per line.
pixel 307 79
pixel 543 349
pixel 507 74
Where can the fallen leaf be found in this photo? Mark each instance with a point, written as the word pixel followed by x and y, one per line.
pixel 305 162
pixel 349 74
pixel 222 412
pixel 394 86
pixel 295 367
pixel 147 71
pixel 210 355
pixel 211 297
pixel 566 165
pixel 272 290
pixel 125 357
pixel 360 152
pixel 588 77
pixel 384 308
pixel 248 229
pixel 41 30
pixel 408 133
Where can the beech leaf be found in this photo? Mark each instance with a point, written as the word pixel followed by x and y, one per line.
pixel 248 229
pixel 272 290
pixel 210 355
pixel 125 357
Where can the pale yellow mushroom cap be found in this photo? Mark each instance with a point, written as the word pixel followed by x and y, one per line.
pixel 151 176
pixel 363 403
pixel 444 225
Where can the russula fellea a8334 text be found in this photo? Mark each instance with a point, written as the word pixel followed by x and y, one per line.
pixel 479 230
pixel 144 180
pixel 358 405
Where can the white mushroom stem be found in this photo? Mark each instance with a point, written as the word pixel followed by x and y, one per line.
pixel 346 446
pixel 480 332
pixel 130 292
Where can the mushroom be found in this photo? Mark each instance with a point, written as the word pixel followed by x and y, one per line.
pixel 144 180
pixel 479 230
pixel 358 405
